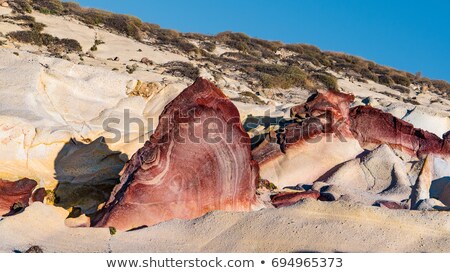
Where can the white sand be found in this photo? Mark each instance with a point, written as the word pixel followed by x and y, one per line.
pixel 310 226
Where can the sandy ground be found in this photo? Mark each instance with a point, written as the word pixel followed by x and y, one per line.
pixel 309 226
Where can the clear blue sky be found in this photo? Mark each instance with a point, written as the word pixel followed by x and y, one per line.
pixel 409 35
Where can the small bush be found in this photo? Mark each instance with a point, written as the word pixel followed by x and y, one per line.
pixel 278 76
pixel 185 46
pixel 166 35
pixel 329 81
pixel 71 45
pixel 37 27
pixel 441 85
pixel 385 80
pixel 400 79
pixel 366 73
pixel 210 47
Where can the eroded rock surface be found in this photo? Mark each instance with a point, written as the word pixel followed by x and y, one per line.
pixel 373 126
pixel 198 160
pixel 317 140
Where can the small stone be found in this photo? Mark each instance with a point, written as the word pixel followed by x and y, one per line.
pixel 39 195
pixel 146 61
pixel 34 249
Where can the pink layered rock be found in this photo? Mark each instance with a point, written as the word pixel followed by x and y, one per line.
pixel 15 193
pixel 198 160
pixel 285 199
pixel 373 126
pixel 331 107
pixel 326 112
pixel 317 141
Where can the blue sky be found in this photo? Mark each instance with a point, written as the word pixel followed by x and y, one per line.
pixel 408 35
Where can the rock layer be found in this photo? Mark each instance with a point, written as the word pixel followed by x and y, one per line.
pixel 372 126
pixel 198 160
pixel 317 140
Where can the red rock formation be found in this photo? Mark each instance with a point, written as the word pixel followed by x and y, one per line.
pixel 324 113
pixel 198 160
pixel 372 126
pixel 331 107
pixel 285 199
pixel 15 193
pixel 391 205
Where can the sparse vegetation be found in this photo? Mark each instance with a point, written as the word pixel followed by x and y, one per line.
pixel 249 97
pixel 48 6
pixel 182 69
pixel 112 230
pixel 279 76
pixel 22 6
pixel 329 81
pixel 208 46
pixel 261 62
pixel 36 37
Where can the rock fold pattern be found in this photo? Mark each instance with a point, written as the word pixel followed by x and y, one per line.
pixel 198 160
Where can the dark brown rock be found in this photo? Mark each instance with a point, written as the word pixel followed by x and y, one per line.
pixel 15 195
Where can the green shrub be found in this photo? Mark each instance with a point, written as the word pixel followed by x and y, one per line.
pixel 400 79
pixel 71 45
pixel 278 76
pixel 166 35
pixel 37 27
pixel 385 80
pixel 186 46
pixel 329 81
pixel 366 73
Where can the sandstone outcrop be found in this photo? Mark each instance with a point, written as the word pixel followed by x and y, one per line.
pixel 316 141
pixel 372 126
pixel 198 160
